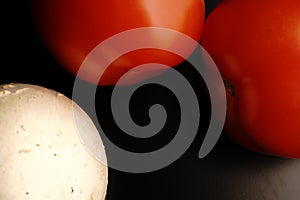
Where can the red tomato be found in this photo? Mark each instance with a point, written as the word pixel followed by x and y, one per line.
pixel 256 45
pixel 72 28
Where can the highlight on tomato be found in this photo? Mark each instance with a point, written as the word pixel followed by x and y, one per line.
pixel 256 45
pixel 71 29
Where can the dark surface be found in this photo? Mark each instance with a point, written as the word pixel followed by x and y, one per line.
pixel 226 173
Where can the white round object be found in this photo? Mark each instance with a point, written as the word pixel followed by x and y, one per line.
pixel 42 155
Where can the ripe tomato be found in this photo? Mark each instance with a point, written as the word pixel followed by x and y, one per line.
pixel 256 45
pixel 72 28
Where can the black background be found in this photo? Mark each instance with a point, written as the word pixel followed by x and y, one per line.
pixel 24 59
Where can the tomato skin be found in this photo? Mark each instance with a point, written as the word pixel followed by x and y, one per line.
pixel 256 45
pixel 72 28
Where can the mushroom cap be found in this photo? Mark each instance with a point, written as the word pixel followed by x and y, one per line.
pixel 42 155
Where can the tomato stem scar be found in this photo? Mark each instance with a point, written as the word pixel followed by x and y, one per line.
pixel 230 89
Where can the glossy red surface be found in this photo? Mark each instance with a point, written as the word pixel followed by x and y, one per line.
pixel 71 29
pixel 256 45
